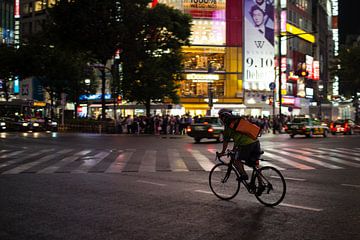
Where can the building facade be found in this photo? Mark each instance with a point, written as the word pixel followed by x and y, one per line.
pixel 234 58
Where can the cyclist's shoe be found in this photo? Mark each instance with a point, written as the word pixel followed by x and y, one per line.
pixel 260 190
pixel 243 177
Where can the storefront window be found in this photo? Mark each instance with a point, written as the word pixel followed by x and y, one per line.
pixel 191 88
pixel 199 59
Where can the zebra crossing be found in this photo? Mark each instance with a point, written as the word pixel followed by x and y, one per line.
pixel 80 161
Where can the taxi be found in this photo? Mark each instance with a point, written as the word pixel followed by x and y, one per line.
pixel 304 125
pixel 206 127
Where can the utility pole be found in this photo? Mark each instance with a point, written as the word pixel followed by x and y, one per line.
pixel 279 54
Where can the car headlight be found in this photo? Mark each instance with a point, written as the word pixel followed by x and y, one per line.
pixel 25 124
pixel 54 123
pixel 2 124
pixel 36 124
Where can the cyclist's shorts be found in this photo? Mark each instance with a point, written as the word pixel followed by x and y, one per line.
pixel 249 153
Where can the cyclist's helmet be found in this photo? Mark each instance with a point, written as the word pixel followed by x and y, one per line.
pixel 224 113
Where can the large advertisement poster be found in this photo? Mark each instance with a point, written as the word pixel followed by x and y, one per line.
pixel 258 44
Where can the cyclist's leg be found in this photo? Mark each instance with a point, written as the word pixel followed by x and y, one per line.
pixel 240 166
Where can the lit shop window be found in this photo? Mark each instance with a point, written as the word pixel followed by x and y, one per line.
pixel 40 5
pixel 197 61
pixel 200 87
pixel 208 32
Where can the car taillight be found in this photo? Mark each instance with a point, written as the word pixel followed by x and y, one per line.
pixel 331 125
pixel 304 128
pixel 188 129
pixel 346 125
pixel 286 127
pixel 210 130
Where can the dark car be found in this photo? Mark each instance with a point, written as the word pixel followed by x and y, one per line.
pixel 17 123
pixel 51 125
pixel 306 126
pixel 206 127
pixel 344 126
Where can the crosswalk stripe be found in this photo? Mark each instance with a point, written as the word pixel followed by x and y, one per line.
pixel 63 162
pixel 204 162
pixel 177 164
pixel 267 163
pixel 342 152
pixel 287 161
pixel 349 150
pixel 7 155
pixel 19 160
pixel 307 159
pixel 325 157
pixel 118 165
pixel 90 162
pixel 29 165
pixel 330 153
pixel 148 161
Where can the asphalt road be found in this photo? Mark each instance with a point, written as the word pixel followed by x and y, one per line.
pixel 160 189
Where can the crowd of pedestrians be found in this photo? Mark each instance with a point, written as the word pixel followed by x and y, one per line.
pixel 176 125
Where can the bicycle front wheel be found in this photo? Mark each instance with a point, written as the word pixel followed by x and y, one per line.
pixel 270 186
pixel 223 181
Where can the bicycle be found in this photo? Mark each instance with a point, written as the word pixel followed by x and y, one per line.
pixel 266 183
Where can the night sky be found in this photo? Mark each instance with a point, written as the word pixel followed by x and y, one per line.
pixel 349 18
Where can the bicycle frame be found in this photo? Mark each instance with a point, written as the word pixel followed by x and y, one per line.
pixel 249 185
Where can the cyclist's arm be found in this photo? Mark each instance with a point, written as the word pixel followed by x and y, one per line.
pixel 225 145
pixel 227 137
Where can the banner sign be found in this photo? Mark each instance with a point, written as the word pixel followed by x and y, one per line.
pixel 258 44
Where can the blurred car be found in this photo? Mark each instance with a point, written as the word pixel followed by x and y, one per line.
pixel 51 125
pixel 307 126
pixel 206 127
pixel 2 125
pixel 43 124
pixel 344 126
pixel 17 123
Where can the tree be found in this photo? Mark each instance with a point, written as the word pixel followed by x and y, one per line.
pixel 152 57
pixel 349 74
pixel 93 27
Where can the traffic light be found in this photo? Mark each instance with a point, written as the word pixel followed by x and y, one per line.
pixel 119 99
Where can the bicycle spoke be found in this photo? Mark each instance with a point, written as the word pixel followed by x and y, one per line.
pixel 223 183
pixel 270 186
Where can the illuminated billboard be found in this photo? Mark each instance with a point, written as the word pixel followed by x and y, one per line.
pixel 258 44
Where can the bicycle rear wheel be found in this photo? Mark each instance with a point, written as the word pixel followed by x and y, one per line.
pixel 270 186
pixel 223 181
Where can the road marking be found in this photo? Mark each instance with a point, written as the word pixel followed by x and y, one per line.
pixel 349 150
pixel 148 162
pixel 11 154
pixel 118 165
pixel 307 159
pixel 177 164
pixel 63 162
pixel 29 165
pixel 90 161
pixel 325 157
pixel 301 207
pixel 350 185
pixel 204 162
pixel 152 183
pixel 342 152
pixel 288 178
pixel 288 161
pixel 202 191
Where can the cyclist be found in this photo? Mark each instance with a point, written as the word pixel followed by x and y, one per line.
pixel 244 146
